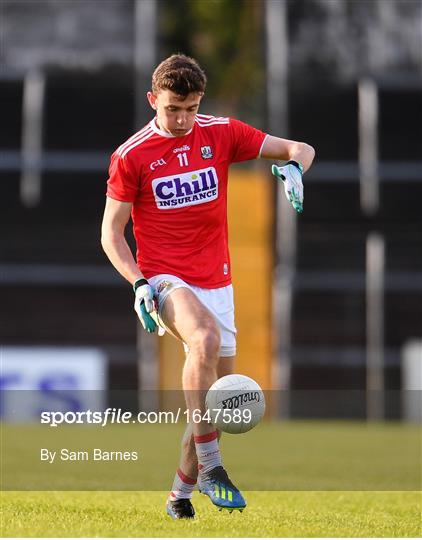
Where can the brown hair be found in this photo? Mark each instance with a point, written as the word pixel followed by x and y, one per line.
pixel 180 74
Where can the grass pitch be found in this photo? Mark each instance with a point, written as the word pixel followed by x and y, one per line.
pixel 269 514
pixel 327 479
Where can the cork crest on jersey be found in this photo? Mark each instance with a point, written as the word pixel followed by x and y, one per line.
pixel 185 189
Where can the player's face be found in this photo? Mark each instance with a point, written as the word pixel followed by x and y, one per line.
pixel 175 114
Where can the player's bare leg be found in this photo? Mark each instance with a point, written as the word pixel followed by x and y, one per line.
pixel 188 465
pixel 190 321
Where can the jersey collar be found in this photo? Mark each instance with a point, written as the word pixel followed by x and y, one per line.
pixel 163 133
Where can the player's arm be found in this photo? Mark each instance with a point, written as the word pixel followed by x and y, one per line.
pixel 115 219
pixel 277 148
pixel 113 241
pixel 299 157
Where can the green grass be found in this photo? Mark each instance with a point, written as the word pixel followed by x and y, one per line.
pixel 269 514
pixel 291 456
pixel 303 479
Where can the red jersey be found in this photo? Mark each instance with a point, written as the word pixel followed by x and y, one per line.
pixel 178 187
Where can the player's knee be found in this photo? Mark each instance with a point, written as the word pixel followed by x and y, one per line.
pixel 205 344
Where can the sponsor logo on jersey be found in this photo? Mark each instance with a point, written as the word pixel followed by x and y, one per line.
pixel 183 148
pixel 187 189
pixel 206 152
pixel 157 163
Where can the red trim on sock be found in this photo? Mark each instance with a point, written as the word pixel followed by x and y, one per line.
pixel 208 437
pixel 186 479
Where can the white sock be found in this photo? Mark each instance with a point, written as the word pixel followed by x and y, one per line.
pixel 208 451
pixel 183 486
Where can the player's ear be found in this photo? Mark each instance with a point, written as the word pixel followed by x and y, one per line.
pixel 152 100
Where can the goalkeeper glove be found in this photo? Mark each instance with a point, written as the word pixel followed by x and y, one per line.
pixel 291 175
pixel 144 304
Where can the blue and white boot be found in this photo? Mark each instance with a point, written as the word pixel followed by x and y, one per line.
pixel 221 490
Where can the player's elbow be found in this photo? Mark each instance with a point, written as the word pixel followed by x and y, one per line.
pixel 309 150
pixel 105 241
pixel 107 238
pixel 307 153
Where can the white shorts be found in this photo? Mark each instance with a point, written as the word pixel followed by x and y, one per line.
pixel 218 301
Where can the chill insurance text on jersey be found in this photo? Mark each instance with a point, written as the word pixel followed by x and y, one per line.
pixel 178 187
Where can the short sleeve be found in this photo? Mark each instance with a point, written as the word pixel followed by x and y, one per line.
pixel 246 141
pixel 123 182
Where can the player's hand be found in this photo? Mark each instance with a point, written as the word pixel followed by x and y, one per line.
pixel 291 175
pixel 145 304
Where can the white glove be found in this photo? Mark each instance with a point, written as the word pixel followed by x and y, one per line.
pixel 291 175
pixel 145 304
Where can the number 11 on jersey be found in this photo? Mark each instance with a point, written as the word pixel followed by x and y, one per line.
pixel 183 159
